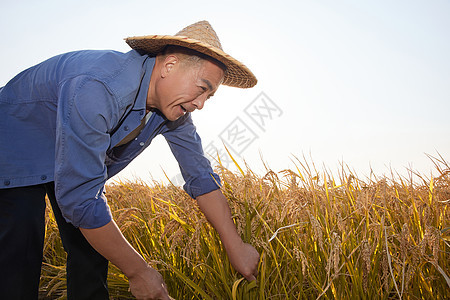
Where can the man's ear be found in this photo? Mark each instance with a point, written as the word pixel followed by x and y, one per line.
pixel 169 64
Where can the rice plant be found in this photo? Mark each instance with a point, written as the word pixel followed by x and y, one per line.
pixel 320 236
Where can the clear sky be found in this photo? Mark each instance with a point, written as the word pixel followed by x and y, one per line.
pixel 366 83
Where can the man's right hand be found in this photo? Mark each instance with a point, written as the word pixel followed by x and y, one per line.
pixel 145 282
pixel 148 284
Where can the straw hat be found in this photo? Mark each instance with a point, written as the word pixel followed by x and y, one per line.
pixel 200 37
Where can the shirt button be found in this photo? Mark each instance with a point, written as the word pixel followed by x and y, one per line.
pixel 126 128
pixel 6 182
pixel 141 112
pixel 43 177
pixel 142 144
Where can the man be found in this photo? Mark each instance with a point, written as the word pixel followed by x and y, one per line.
pixel 74 121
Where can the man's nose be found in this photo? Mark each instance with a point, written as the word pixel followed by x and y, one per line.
pixel 199 102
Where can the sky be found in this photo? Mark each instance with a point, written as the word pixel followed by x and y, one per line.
pixel 360 83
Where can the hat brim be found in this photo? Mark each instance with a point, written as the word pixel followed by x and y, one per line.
pixel 237 75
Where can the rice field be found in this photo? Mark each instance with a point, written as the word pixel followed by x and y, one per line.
pixel 320 236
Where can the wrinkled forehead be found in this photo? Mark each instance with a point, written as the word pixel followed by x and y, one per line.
pixel 211 74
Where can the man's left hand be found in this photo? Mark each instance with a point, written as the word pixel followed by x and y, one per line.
pixel 244 258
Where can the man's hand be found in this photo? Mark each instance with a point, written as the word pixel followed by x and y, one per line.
pixel 145 282
pixel 243 257
pixel 148 284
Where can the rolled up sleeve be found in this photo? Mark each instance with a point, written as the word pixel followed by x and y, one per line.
pixel 86 112
pixel 196 169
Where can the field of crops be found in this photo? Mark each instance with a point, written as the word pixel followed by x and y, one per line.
pixel 320 236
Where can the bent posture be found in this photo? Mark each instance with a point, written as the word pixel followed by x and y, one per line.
pixel 70 123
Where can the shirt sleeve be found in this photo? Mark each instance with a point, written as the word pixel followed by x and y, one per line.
pixel 186 146
pixel 85 116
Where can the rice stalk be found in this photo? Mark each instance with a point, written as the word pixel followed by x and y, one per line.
pixel 319 237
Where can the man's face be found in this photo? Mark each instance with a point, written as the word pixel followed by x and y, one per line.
pixel 185 88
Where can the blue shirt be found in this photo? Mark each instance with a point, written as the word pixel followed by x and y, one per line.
pixel 62 119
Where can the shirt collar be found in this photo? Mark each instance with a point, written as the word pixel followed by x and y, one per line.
pixel 141 99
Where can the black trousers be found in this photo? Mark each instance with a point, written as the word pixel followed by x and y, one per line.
pixel 22 230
